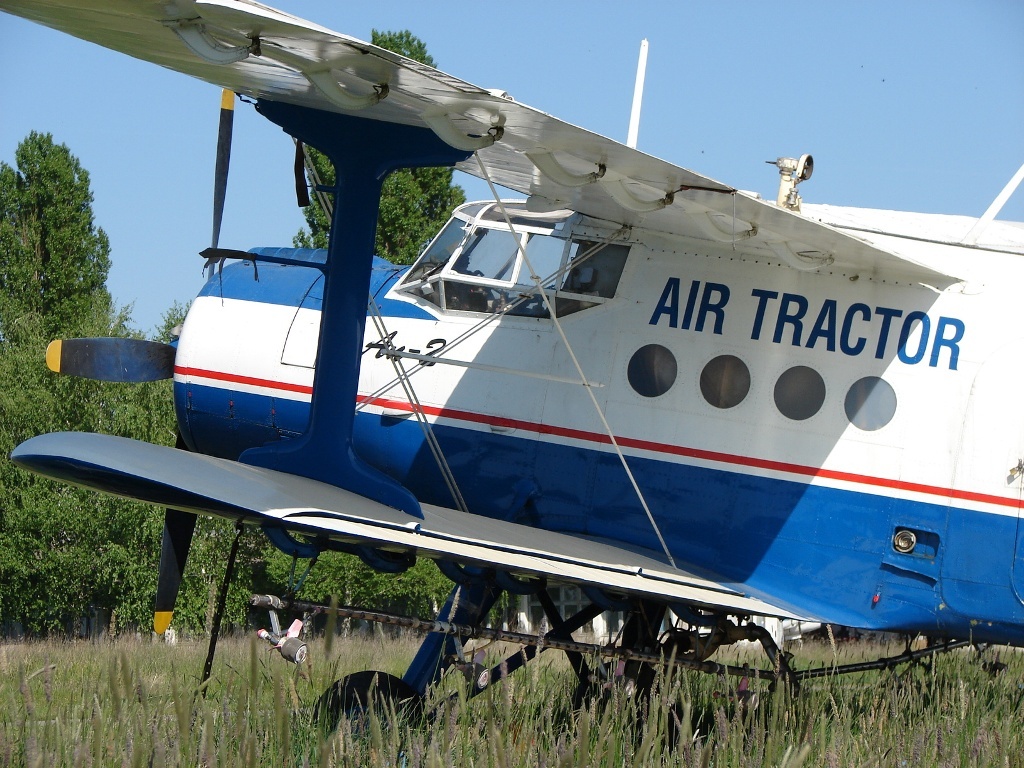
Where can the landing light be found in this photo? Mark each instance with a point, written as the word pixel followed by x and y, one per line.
pixel 793 171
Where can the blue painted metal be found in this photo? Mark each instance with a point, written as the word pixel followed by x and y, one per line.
pixel 383 561
pixel 471 603
pixel 288 544
pixel 363 152
pixel 222 423
pixel 286 281
pixel 826 550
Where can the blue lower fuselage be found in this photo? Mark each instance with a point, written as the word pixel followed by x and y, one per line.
pixel 823 549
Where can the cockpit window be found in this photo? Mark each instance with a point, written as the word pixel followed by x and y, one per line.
pixel 477 265
pixel 489 253
pixel 594 270
pixel 486 257
pixel 545 255
pixel 439 251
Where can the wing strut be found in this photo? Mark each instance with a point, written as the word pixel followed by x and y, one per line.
pixel 325 203
pixel 363 152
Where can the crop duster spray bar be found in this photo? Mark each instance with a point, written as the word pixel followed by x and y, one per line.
pixel 541 642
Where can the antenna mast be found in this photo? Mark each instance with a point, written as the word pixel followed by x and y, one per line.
pixel 638 95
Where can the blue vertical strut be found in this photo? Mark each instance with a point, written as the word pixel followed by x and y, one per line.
pixel 363 152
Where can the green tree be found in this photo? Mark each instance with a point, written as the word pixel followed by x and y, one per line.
pixel 171 321
pixel 53 259
pixel 63 550
pixel 415 202
pixel 419 591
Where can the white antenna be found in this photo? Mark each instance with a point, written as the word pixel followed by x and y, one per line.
pixel 971 238
pixel 638 96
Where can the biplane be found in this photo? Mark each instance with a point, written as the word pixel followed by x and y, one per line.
pixel 697 405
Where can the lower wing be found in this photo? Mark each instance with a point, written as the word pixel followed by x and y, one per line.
pixel 204 484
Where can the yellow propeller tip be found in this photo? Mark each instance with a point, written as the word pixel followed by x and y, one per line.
pixel 53 356
pixel 227 99
pixel 161 621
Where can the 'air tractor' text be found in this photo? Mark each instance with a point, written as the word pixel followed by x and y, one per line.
pixel 789 318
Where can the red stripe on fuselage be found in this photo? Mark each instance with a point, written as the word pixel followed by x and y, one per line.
pixel 234 378
pixel 627 442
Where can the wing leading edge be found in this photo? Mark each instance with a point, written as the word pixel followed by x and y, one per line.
pixel 204 484
pixel 270 55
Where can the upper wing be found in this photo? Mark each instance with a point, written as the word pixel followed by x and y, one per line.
pixel 267 54
pixel 198 483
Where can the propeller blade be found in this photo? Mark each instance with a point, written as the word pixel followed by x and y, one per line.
pixel 220 179
pixel 178 529
pixel 111 359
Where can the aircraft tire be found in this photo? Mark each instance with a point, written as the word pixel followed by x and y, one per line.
pixel 353 695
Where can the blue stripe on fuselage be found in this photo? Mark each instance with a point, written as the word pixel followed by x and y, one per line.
pixel 825 550
pixel 287 285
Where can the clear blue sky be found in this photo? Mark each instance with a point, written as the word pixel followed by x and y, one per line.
pixel 906 105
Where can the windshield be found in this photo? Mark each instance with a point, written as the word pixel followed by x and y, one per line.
pixel 439 251
pixel 483 266
pixel 490 253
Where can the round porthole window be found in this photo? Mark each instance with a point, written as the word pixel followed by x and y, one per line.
pixel 799 393
pixel 652 370
pixel 725 381
pixel 870 403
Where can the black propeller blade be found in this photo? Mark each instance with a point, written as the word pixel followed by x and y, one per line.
pixel 111 359
pixel 220 179
pixel 177 540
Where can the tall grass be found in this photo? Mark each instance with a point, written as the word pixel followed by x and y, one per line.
pixel 136 704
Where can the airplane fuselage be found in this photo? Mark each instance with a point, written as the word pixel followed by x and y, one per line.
pixel 845 442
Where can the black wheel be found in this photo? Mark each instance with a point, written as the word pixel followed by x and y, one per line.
pixel 353 695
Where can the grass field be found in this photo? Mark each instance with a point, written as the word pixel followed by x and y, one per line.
pixel 133 703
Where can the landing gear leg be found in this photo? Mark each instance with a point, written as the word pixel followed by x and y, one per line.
pixel 561 630
pixel 641 633
pixel 352 695
pixel 467 604
pixel 778 658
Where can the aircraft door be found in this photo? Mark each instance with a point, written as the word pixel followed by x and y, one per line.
pixel 304 333
pixel 985 549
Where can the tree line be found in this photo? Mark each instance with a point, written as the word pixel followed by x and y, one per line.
pixel 65 552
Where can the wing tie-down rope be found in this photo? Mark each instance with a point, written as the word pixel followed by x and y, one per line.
pixel 576 363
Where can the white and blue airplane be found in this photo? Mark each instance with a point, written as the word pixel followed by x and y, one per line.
pixel 636 379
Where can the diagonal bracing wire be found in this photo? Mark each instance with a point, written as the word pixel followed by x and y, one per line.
pixel 327 205
pixel 403 376
pixel 485 321
pixel 417 408
pixel 575 361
